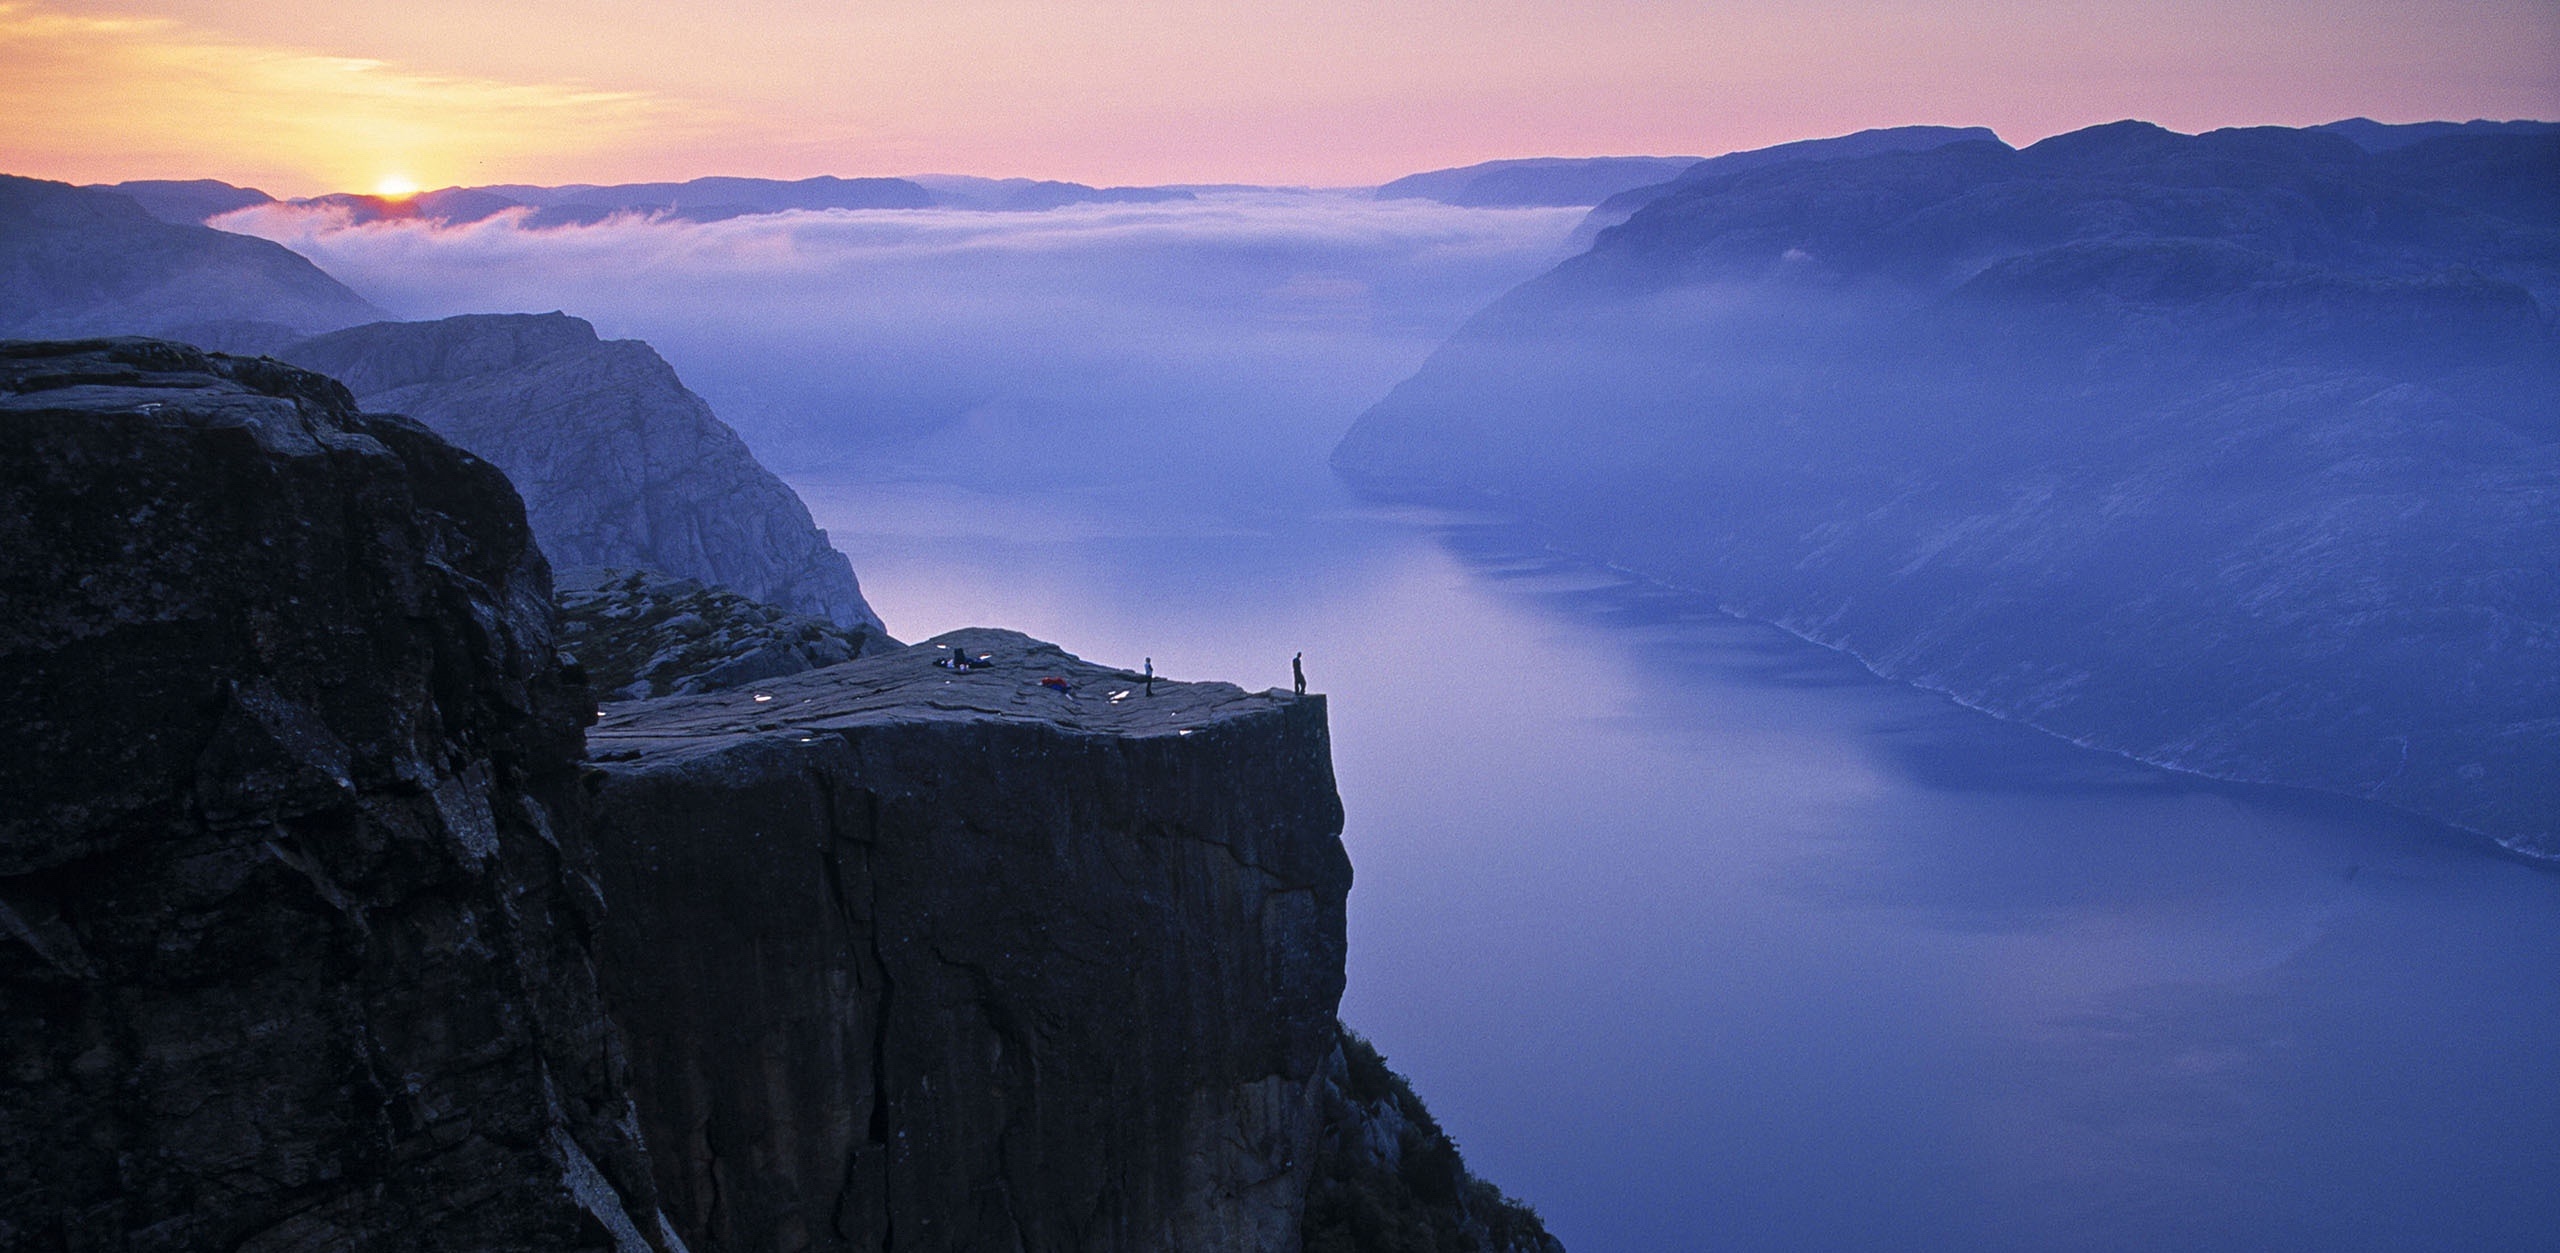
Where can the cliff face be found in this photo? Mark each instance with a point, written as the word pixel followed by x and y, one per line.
pixel 310 916
pixel 294 910
pixel 89 261
pixel 1030 968
pixel 2238 453
pixel 619 464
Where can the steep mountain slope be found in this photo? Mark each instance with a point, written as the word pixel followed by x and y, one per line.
pixel 78 261
pixel 619 464
pixel 2236 452
pixel 294 899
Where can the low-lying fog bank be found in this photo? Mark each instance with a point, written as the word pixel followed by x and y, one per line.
pixel 1208 350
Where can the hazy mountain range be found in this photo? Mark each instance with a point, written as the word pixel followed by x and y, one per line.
pixel 619 464
pixel 1548 181
pixel 2236 452
pixel 80 261
pixel 2233 452
pixel 696 200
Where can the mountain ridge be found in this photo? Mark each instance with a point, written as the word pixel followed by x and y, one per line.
pixel 2233 452
pixel 79 261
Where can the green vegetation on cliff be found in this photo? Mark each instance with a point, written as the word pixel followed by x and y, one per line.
pixel 1388 1179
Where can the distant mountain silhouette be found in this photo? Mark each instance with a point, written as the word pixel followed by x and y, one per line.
pixel 716 199
pixel 1549 182
pixel 1023 195
pixel 700 200
pixel 2236 452
pixel 2373 136
pixel 451 205
pixel 188 201
pixel 84 261
pixel 1622 205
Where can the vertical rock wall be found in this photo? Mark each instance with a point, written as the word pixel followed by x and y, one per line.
pixel 304 935
pixel 293 932
pixel 919 959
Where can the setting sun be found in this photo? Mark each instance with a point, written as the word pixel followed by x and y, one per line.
pixel 396 187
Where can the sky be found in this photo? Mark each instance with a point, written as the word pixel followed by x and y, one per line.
pixel 305 96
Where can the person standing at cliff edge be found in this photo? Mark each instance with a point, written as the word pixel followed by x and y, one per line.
pixel 1298 672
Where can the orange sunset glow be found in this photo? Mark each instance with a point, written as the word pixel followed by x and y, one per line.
pixel 303 96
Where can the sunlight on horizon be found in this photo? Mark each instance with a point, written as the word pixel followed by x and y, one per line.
pixel 292 95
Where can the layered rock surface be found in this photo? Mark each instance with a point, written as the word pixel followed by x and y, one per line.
pixel 639 634
pixel 294 906
pixel 2238 452
pixel 618 463
pixel 1034 965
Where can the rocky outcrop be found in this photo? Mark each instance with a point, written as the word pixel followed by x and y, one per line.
pixel 310 918
pixel 637 634
pixel 87 261
pixel 619 464
pixel 1021 955
pixel 2238 453
pixel 294 903
pixel 1389 1180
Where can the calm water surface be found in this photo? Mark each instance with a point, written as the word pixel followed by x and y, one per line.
pixel 1700 937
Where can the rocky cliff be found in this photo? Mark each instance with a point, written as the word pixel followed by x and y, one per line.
pixel 1041 960
pixel 311 918
pixel 88 261
pixel 294 906
pixel 2235 452
pixel 619 464
pixel 1388 1179
pixel 639 634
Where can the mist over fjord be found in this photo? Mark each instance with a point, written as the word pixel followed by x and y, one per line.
pixel 1207 351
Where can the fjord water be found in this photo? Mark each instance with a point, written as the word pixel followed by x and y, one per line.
pixel 1696 936
pixel 1700 937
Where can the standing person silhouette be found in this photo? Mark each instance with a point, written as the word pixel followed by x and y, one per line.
pixel 1151 675
pixel 1298 672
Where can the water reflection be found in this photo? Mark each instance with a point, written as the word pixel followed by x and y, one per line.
pixel 1700 937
